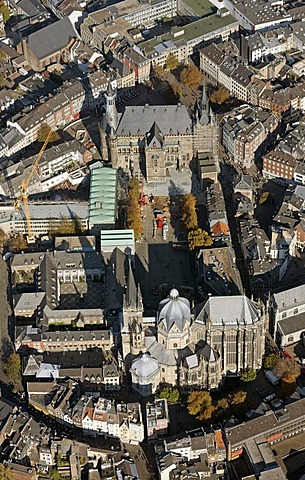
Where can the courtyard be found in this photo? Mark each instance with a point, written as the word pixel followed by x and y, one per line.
pixel 79 295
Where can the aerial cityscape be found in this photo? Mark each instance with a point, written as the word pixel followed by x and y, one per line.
pixel 152 239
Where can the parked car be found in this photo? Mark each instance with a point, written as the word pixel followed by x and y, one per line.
pixel 269 398
pixel 179 246
pixel 277 403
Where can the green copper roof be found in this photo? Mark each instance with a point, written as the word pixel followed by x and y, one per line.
pixel 103 199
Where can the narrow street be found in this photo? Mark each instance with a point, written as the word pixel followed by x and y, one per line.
pixel 6 318
pixel 226 180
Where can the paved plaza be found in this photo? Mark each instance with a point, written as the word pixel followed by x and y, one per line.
pixel 157 263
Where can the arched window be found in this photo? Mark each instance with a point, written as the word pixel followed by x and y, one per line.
pixel 175 345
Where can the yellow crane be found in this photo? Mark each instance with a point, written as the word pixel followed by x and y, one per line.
pixel 23 196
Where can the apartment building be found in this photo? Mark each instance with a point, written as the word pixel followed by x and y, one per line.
pixel 287 310
pixel 60 163
pixel 256 15
pixel 254 47
pixel 157 418
pixel 94 415
pixel 182 42
pixel 225 70
pixel 273 427
pixel 247 132
pixel 279 166
pixel 75 98
pixel 45 217
pixel 61 341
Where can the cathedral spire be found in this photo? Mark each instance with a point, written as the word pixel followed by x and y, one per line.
pixel 131 291
pixel 205 104
pixel 139 298
pixel 111 111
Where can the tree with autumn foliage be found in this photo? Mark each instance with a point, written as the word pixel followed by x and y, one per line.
pixel 189 214
pixel 190 76
pixel 238 398
pixel 288 369
pixel 158 71
pixel 271 360
pixel 198 238
pixel 200 403
pixel 4 11
pixel 43 133
pixel 3 239
pixel 288 386
pixel 12 368
pixel 220 95
pixel 222 407
pixel 133 210
pixel 6 473
pixel 17 243
pixel 172 62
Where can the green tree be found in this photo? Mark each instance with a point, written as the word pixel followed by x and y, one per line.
pixel 170 393
pixel 43 133
pixel 219 95
pixel 6 473
pixel 171 62
pixel 248 375
pixel 271 361
pixel 198 401
pixel 4 10
pixel 189 214
pixel 12 368
pixel 190 76
pixel 198 238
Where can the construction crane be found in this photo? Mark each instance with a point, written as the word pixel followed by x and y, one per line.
pixel 23 196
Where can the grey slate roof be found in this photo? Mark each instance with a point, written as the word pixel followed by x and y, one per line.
pixel 52 38
pixel 138 120
pixel 174 311
pixel 289 298
pixel 32 8
pixel 292 324
pixel 231 310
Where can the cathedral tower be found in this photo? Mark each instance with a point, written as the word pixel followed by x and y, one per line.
pixel 133 333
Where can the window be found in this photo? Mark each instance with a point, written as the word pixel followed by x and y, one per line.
pixel 175 345
pixel 295 311
pixel 290 339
